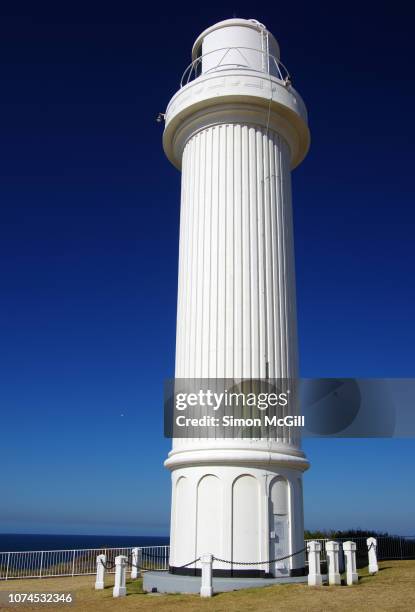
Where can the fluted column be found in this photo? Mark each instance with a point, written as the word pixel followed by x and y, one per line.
pixel 236 297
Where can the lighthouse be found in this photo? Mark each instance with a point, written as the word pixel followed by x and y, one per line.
pixel 236 128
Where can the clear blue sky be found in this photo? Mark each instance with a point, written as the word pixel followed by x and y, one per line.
pixel 89 238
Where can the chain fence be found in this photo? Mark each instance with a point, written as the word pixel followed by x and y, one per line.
pixel 250 563
pixel 51 563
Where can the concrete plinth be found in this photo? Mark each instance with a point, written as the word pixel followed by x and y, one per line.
pixel 172 583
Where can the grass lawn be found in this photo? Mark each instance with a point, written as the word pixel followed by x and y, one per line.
pixel 392 589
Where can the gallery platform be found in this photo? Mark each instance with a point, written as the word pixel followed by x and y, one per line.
pixel 164 582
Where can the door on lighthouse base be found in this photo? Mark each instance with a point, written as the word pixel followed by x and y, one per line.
pixel 279 527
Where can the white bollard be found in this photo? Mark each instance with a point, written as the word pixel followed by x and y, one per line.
pixel 349 549
pixel 206 588
pixel 136 563
pixel 332 553
pixel 372 553
pixel 314 574
pixel 100 578
pixel 119 589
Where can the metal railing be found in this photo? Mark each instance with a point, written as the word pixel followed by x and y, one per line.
pixel 53 563
pixel 270 64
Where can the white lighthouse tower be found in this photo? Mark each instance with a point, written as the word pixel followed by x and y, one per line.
pixel 236 128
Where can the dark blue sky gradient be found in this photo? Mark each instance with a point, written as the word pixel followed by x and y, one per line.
pixel 89 240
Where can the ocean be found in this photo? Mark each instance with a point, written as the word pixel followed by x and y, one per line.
pixel 16 541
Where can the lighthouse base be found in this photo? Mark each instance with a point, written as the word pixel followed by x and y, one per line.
pixel 164 582
pixel 249 517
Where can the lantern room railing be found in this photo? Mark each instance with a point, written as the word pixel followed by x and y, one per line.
pixel 270 64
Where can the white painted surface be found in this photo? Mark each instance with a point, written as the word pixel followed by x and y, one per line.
pixel 349 549
pixel 245 520
pixel 100 577
pixel 206 588
pixel 136 560
pixel 314 572
pixel 235 134
pixel 236 43
pixel 372 554
pixel 279 525
pixel 209 514
pixel 236 302
pixel 183 527
pixel 119 589
pixel 332 554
